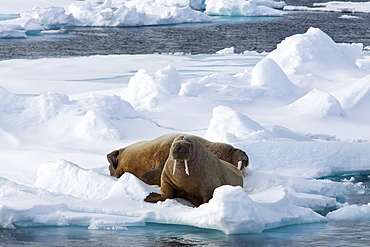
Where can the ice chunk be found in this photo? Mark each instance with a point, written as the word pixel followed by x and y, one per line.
pixel 228 125
pixel 278 209
pixel 131 13
pixel 267 73
pixel 108 106
pixel 350 212
pixel 45 107
pixel 219 86
pixel 345 7
pixel 226 51
pixel 231 211
pixel 8 139
pixel 19 28
pixel 357 96
pixel 92 126
pixel 301 54
pixel 240 8
pixel 317 104
pixel 313 159
pixel 67 178
pixel 146 89
pixel 194 4
pixel 50 17
pixel 129 187
pixel 10 103
pixel 8 32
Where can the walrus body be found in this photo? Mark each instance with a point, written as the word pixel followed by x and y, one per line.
pixel 193 173
pixel 146 159
pixel 141 157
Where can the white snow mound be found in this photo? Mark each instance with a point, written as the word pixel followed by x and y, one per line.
pixel 146 89
pixel 317 104
pixel 316 53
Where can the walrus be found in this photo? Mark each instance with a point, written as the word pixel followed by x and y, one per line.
pixel 146 159
pixel 193 173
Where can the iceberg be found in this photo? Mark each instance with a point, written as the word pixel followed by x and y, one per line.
pixel 107 14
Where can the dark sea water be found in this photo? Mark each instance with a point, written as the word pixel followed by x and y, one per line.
pixel 244 33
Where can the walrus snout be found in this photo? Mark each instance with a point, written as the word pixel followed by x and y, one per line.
pixel 181 151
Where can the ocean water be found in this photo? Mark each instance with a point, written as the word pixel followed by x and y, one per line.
pixel 244 33
pixel 320 234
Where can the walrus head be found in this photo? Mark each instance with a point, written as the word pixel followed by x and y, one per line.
pixel 243 161
pixel 113 162
pixel 180 152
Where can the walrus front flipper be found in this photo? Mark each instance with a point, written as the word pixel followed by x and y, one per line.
pixel 155 197
pixel 152 177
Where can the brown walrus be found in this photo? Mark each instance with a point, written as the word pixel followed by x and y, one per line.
pixel 193 173
pixel 146 159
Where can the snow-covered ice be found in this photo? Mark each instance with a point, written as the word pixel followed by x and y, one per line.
pixel 244 8
pixel 299 117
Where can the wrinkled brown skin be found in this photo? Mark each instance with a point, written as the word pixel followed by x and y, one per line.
pixel 146 159
pixel 206 173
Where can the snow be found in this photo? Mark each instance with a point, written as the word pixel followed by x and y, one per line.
pixel 297 112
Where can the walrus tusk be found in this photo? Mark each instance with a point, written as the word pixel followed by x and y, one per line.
pixel 244 171
pixel 241 168
pixel 174 167
pixel 240 164
pixel 186 167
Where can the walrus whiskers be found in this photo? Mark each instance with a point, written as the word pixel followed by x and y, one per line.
pixel 174 167
pixel 186 167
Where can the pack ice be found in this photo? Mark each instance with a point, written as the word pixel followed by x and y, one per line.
pixel 298 112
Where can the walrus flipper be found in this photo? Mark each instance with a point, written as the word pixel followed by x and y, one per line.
pixel 152 177
pixel 167 193
pixel 154 197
